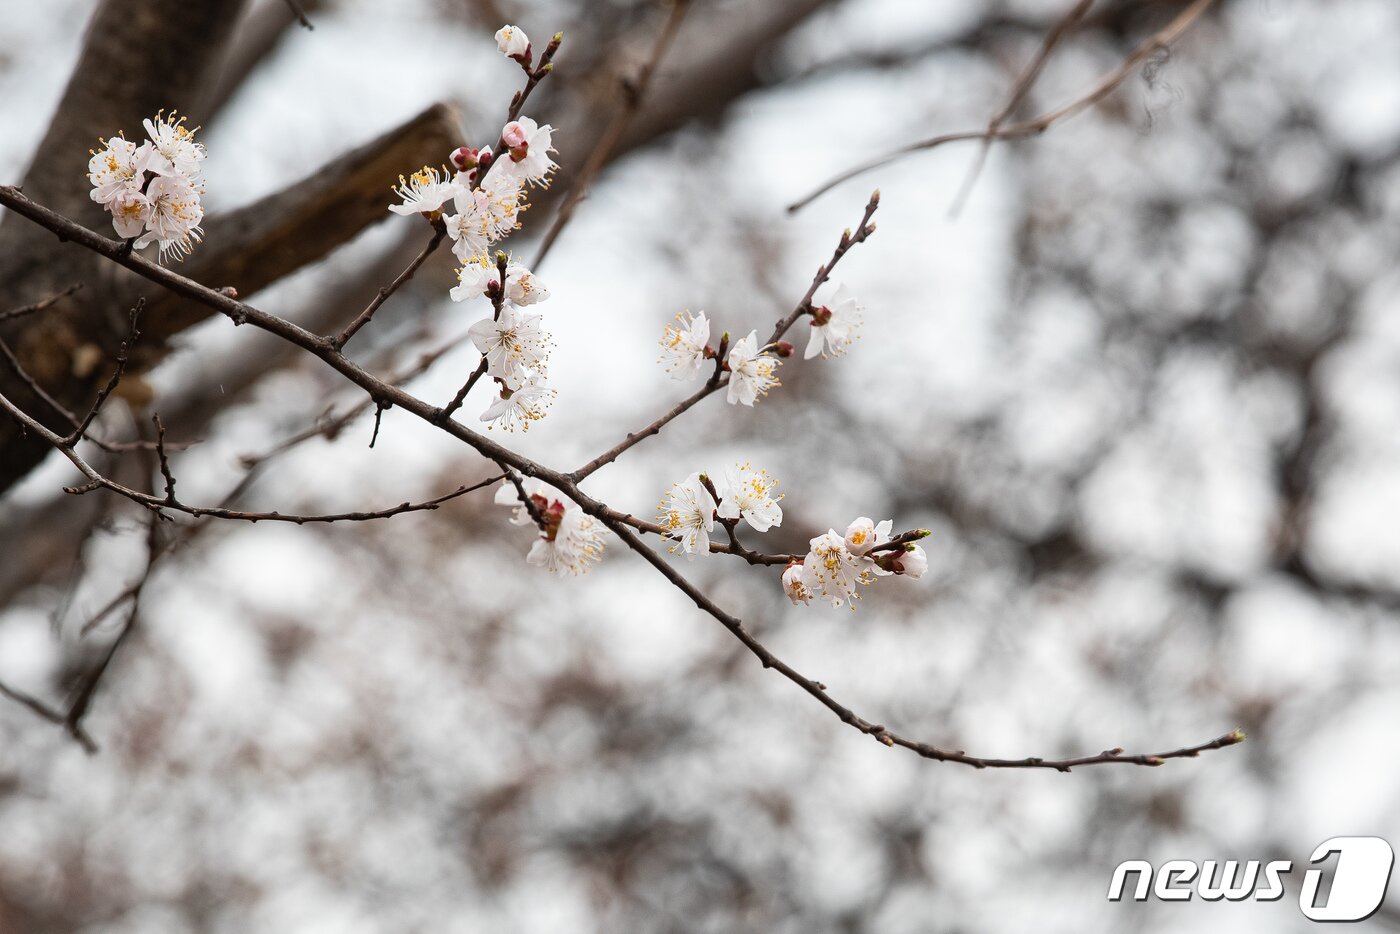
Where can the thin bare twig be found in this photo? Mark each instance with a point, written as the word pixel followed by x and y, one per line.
pixel 363 318
pixel 30 309
pixel 889 738
pixel 498 297
pixel 1106 85
pixel 123 356
pixel 1024 83
pixel 157 504
pixel 56 717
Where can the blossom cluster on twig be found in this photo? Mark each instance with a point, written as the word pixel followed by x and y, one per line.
pixel 153 190
pixel 478 203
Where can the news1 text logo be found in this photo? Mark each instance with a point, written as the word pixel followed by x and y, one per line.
pixel 1359 876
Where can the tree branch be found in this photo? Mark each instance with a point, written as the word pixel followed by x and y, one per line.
pixel 241 313
pixel 254 246
pixel 1105 86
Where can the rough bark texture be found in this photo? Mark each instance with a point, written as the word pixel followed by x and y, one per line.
pixel 136 59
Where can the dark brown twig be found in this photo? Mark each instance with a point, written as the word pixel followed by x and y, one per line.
pixel 498 297
pixel 879 732
pixel 123 356
pixel 30 309
pixel 363 318
pixel 48 713
pixel 242 313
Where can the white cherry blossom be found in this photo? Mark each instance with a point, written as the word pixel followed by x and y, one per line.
pixel 519 408
pixel 688 516
pixel 751 372
pixel 512 42
pixel 683 345
pixel 835 325
pixel 468 232
pixel 131 210
pixel 529 147
pixel 514 345
pixel 119 166
pixel 794 586
pixel 173 147
pixel 863 535
pixel 831 571
pixel 748 493
pixel 424 192
pixel 175 213
pixel 571 546
pixel 522 287
pixel 499 200
pixel 912 562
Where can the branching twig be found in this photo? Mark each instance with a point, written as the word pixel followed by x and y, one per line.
pixel 1105 86
pixel 242 313
pixel 803 306
pixel 30 309
pixel 123 356
pixel 1023 86
pixel 55 717
pixel 157 504
pixel 339 341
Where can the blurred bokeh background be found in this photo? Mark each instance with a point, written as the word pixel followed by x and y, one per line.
pixel 1144 388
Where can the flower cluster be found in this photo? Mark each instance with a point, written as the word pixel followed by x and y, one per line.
pixel 753 370
pixel 689 508
pixel 837 566
pixel 570 541
pixel 479 203
pixel 152 190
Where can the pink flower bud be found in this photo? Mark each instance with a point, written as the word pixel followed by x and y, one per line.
pixel 514 135
pixel 783 348
pixel 464 157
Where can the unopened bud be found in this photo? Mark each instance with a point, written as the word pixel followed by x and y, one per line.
pixel 514 135
pixel 464 158
pixel 784 348
pixel 821 315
